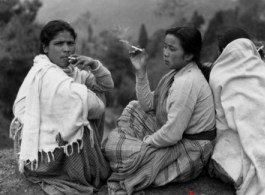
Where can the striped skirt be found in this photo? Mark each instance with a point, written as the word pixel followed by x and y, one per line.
pixel 137 165
pixel 82 172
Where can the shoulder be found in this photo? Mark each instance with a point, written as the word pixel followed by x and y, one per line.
pixel 191 76
pixel 55 75
pixel 192 81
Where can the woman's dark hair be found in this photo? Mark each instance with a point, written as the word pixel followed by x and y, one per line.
pixel 230 35
pixel 191 42
pixel 52 29
pixel 261 52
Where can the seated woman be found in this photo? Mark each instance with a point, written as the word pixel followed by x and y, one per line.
pixel 237 80
pixel 59 116
pixel 165 136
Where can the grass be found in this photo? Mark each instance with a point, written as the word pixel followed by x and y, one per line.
pixel 5 141
pixel 13 183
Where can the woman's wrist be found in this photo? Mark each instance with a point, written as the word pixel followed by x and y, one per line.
pixel 94 65
pixel 141 72
pixel 147 139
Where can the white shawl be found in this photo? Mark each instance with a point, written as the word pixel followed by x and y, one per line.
pixel 48 103
pixel 238 84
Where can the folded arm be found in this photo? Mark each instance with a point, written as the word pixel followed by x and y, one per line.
pixel 96 106
pixel 99 79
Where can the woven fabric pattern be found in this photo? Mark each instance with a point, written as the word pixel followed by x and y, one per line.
pixel 82 172
pixel 137 165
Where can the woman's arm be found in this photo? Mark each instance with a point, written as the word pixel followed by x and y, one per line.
pixel 96 107
pixel 143 93
pixel 98 78
pixel 182 102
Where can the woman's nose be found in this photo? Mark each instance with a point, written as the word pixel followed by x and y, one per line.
pixel 66 48
pixel 165 52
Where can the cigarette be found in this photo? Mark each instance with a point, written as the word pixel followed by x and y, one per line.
pixel 260 47
pixel 136 51
pixel 136 48
pixel 71 58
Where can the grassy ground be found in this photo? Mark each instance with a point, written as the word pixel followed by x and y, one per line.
pixel 5 141
pixel 13 183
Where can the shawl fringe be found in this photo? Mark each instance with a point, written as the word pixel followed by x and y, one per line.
pixel 15 134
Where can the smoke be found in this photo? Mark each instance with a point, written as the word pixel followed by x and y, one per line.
pixel 120 33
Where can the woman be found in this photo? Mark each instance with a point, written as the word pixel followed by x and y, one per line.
pixel 59 116
pixel 237 80
pixel 167 135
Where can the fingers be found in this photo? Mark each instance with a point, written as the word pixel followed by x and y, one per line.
pixel 72 60
pixel 82 67
pixel 137 53
pixel 80 61
pixel 134 53
pixel 76 60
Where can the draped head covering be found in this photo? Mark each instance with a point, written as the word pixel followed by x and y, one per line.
pixel 230 35
pixel 238 83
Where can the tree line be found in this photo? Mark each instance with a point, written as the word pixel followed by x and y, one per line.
pixel 19 44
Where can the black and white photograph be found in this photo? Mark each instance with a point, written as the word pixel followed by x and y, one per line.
pixel 132 97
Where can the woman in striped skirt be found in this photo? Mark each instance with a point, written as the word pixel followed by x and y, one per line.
pixel 167 135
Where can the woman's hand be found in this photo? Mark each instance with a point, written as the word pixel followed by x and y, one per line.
pixel 139 62
pixel 84 61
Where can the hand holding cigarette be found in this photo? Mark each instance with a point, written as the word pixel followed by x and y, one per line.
pixel 138 59
pixel 83 62
pixel 72 59
pixel 136 51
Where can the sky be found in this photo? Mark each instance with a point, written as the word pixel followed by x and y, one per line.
pixel 106 14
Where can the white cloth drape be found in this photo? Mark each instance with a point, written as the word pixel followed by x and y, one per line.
pixel 49 103
pixel 238 84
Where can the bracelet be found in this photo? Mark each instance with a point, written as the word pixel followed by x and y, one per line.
pixel 97 62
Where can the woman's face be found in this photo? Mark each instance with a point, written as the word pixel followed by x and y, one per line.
pixel 174 55
pixel 58 50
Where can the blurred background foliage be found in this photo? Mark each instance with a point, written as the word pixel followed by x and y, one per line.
pixel 19 33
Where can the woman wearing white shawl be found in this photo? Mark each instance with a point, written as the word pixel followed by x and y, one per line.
pixel 237 80
pixel 59 116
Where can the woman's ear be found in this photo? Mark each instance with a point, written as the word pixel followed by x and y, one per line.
pixel 45 48
pixel 188 57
